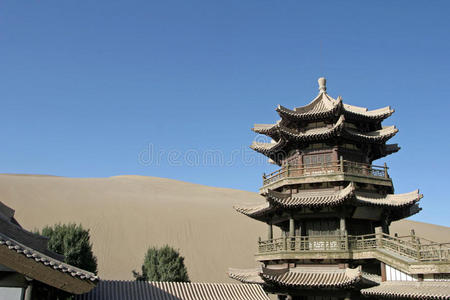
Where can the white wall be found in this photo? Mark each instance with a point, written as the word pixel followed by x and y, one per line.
pixel 10 293
pixel 392 274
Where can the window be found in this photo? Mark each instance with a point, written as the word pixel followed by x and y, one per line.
pixel 317 159
pixel 317 146
pixel 350 146
pixel 315 125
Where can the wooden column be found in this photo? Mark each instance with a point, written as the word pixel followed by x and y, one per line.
pixel 385 225
pixel 291 227
pixel 379 236
pixel 343 230
pixel 298 229
pixel 342 226
pixel 28 291
pixel 270 232
pixel 383 271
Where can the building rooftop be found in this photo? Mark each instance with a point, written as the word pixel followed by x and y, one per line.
pixel 324 106
pixel 27 253
pixel 329 198
pixel 306 277
pixel 324 119
pixel 410 290
pixel 143 290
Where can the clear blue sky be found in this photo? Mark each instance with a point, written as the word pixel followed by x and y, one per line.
pixel 87 87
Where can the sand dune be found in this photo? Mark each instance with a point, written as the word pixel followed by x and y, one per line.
pixel 126 214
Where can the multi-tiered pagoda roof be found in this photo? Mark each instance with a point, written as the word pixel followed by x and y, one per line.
pixel 340 122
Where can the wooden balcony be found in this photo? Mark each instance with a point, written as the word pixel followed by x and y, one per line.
pixel 332 171
pixel 403 252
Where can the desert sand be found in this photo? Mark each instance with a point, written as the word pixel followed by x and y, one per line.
pixel 127 214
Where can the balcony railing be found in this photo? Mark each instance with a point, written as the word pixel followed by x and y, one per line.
pixel 410 247
pixel 335 167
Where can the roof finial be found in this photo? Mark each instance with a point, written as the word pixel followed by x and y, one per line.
pixel 322 84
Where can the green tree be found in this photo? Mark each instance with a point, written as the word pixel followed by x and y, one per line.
pixel 72 241
pixel 163 264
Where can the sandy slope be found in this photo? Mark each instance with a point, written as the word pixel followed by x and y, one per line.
pixel 126 214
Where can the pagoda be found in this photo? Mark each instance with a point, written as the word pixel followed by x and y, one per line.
pixel 331 208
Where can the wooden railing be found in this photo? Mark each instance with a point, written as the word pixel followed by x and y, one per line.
pixel 303 243
pixel 343 243
pixel 341 166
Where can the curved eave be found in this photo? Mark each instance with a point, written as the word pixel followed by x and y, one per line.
pixel 311 199
pixel 390 200
pixel 391 148
pixel 270 130
pixel 384 150
pixel 361 113
pixel 319 279
pixel 377 136
pixel 254 211
pixel 246 275
pixel 264 128
pixel 323 106
pixel 313 134
pixel 267 148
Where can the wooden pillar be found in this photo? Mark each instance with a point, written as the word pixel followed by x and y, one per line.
pixel 291 227
pixel 385 225
pixel 270 232
pixel 341 163
pixel 342 226
pixel 298 229
pixel 343 233
pixel 379 236
pixel 29 291
pixel 383 271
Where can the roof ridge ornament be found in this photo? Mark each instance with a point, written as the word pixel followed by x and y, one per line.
pixel 322 85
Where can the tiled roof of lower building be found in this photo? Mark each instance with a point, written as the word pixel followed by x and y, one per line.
pixel 27 253
pixel 143 290
pixel 410 290
pixel 315 277
pixel 46 260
